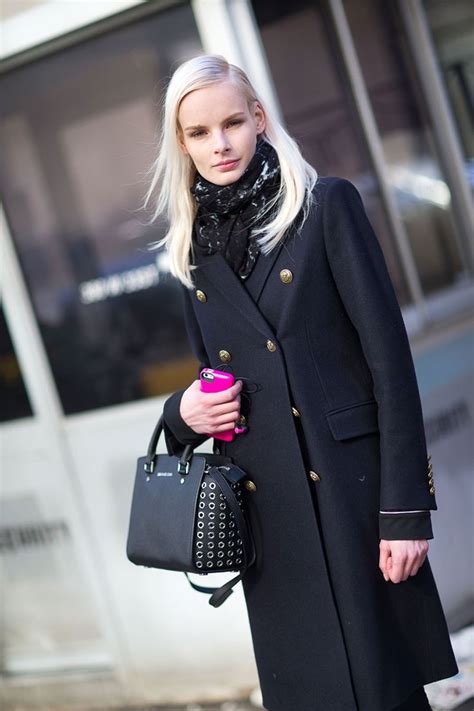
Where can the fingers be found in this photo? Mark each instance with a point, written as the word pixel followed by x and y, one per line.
pixel 397 573
pixel 225 395
pixel 422 550
pixel 227 422
pixel 393 561
pixel 224 407
pixel 383 559
pixel 401 559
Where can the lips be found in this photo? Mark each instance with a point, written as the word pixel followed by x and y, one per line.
pixel 227 165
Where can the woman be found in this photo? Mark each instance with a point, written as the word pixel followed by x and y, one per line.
pixel 284 282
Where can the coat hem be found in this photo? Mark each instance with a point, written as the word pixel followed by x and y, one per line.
pixel 427 680
pixel 393 705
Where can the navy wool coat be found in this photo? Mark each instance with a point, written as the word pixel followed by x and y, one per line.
pixel 335 435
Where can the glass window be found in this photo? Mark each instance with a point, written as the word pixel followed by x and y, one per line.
pixel 79 130
pixel 13 397
pixel 318 108
pixel 413 169
pixel 48 617
pixel 452 31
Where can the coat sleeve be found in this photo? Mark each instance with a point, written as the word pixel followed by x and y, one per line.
pixel 366 290
pixel 177 432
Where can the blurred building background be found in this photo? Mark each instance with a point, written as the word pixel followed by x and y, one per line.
pixel 92 337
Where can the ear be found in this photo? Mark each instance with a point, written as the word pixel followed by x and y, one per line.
pixel 259 118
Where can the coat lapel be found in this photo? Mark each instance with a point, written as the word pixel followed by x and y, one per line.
pixel 258 278
pixel 215 269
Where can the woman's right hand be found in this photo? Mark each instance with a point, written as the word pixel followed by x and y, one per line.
pixel 210 412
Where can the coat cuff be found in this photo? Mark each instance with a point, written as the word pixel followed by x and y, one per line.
pixel 406 526
pixel 177 431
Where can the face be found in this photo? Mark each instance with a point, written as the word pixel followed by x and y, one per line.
pixel 218 130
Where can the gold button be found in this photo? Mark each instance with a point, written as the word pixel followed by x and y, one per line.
pixel 314 476
pixel 295 412
pixel 249 485
pixel 286 276
pixel 242 420
pixel 201 295
pixel 432 489
pixel 225 356
pixel 271 346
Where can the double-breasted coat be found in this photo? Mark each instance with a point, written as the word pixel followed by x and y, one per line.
pixel 335 435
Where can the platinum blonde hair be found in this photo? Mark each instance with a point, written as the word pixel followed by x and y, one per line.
pixel 174 171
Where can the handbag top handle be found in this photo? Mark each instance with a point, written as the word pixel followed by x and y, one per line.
pixel 151 453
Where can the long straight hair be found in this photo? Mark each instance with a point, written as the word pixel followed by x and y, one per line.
pixel 174 171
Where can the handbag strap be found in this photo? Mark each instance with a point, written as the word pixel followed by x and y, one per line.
pixel 151 453
pixel 219 595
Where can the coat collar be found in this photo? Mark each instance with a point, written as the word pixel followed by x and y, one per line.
pixel 215 269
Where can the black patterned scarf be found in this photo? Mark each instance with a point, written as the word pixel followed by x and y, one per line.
pixel 227 213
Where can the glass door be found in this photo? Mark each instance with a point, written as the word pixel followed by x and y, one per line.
pixel 78 131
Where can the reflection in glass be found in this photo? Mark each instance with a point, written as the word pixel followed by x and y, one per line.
pixel 318 109
pixel 47 613
pixel 14 402
pixel 452 30
pixel 78 133
pixel 413 169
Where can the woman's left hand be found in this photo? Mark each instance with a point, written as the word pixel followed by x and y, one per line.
pixel 399 559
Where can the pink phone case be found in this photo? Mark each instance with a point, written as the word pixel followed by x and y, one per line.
pixel 214 381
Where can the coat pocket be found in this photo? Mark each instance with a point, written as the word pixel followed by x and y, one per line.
pixel 353 421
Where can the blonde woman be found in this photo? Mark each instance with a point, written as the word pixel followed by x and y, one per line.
pixel 285 285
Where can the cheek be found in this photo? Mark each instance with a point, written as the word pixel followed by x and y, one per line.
pixel 194 154
pixel 249 142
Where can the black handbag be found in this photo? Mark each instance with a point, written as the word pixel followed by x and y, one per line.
pixel 188 515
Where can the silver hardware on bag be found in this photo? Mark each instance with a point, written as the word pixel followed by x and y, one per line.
pixel 149 466
pixel 182 469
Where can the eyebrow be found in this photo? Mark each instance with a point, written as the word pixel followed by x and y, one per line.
pixel 234 115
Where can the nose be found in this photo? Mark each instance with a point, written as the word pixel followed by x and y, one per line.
pixel 221 143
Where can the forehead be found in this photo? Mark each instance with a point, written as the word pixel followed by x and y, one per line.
pixel 211 104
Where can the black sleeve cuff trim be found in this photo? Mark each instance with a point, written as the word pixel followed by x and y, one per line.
pixel 405 526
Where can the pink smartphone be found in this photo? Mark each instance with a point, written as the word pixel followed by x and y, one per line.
pixel 213 381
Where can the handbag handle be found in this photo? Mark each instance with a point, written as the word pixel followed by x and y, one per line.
pixel 183 464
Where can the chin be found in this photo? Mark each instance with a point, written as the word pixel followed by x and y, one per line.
pixel 227 178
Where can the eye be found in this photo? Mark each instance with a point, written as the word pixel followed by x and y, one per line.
pixel 235 122
pixel 195 134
